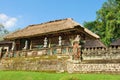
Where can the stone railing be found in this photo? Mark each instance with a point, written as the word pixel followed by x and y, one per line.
pixel 101 53
pixel 63 50
pixel 87 53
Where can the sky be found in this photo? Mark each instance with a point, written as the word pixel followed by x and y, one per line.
pixel 17 14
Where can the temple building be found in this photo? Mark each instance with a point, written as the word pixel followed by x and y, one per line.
pixel 51 37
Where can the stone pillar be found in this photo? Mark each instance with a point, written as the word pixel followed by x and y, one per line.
pixel 118 47
pixel 13 46
pixel 0 51
pixel 30 45
pixel 67 50
pixel 50 51
pixel 91 49
pixel 26 45
pixel 85 49
pixel 59 50
pixel 103 49
pixel 49 45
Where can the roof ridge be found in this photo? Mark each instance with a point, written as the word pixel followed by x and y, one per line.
pixel 50 22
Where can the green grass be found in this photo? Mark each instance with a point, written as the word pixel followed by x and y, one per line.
pixel 22 75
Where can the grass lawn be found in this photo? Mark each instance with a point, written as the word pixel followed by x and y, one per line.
pixel 22 75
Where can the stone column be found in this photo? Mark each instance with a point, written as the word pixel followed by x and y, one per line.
pixel 50 51
pixel 67 50
pixel 13 46
pixel 118 47
pixel 26 45
pixel 30 45
pixel 59 50
pixel 0 51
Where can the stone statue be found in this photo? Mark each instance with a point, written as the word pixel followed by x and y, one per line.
pixel 60 40
pixel 45 42
pixel 76 48
pixel 77 39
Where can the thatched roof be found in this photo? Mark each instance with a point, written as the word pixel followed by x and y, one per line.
pixel 48 27
pixel 116 43
pixel 93 44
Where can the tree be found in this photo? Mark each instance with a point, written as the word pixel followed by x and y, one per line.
pixel 107 23
pixel 3 32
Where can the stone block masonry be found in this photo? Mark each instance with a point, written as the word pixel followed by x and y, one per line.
pixel 33 64
pixel 90 68
pixel 56 65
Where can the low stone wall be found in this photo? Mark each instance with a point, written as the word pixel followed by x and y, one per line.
pixel 33 64
pixel 101 54
pixel 90 68
pixel 1 67
pixel 58 65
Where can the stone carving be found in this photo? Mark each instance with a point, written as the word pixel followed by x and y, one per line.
pixel 76 48
pixel 60 40
pixel 26 45
pixel 45 42
pixel 77 39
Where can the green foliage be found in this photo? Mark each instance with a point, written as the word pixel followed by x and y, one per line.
pixel 107 23
pixel 3 31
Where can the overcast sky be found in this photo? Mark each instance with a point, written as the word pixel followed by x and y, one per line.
pixel 15 14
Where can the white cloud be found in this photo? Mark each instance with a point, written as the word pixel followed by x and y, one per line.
pixel 3 17
pixel 7 21
pixel 10 22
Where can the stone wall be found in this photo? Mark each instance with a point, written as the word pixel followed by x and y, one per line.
pixel 33 64
pixel 101 53
pixel 58 65
pixel 94 60
pixel 88 68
